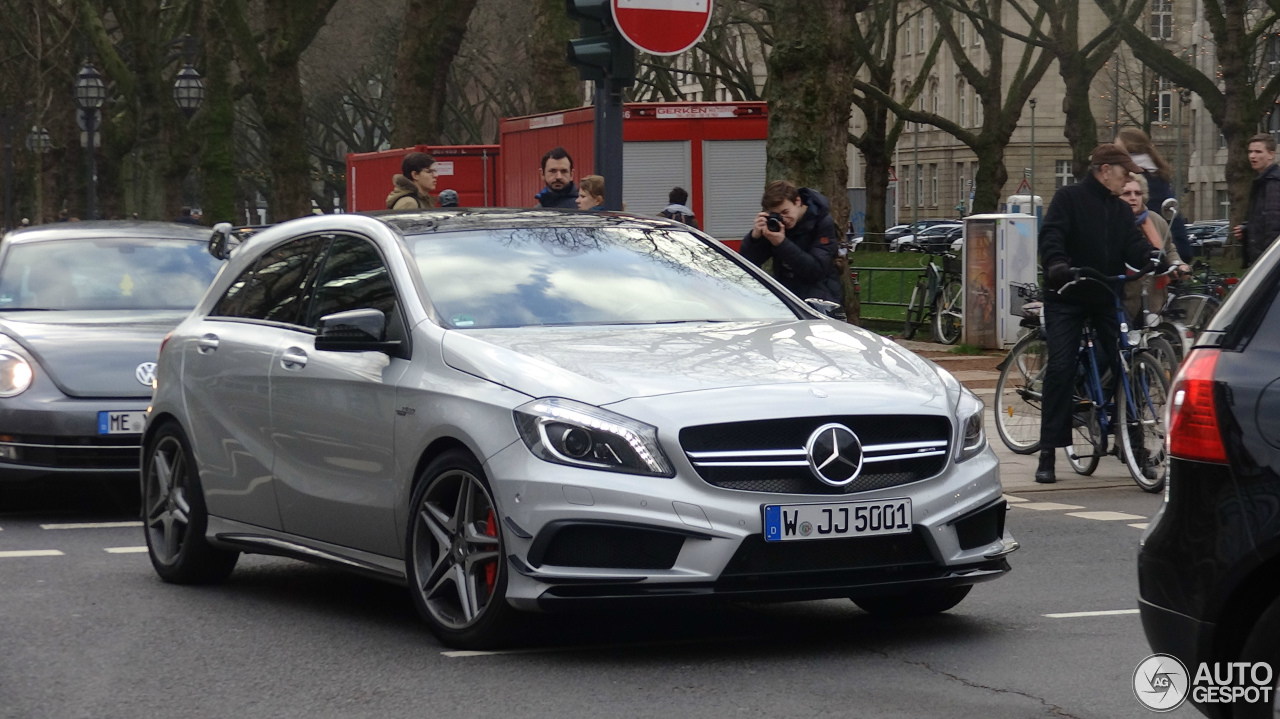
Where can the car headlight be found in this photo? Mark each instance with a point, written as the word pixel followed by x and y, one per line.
pixel 15 374
pixel 970 413
pixel 581 435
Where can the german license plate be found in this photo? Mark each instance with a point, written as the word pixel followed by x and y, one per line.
pixel 789 522
pixel 131 422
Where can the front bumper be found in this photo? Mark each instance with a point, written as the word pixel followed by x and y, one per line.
pixel 714 528
pixel 43 436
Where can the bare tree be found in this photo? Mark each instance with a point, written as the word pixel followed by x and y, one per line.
pixel 556 84
pixel 432 33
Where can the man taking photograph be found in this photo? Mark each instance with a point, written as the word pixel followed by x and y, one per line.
pixel 797 232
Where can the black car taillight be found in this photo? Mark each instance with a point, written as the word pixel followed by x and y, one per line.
pixel 1194 432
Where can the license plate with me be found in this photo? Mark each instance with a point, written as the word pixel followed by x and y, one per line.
pixel 126 422
pixel 790 522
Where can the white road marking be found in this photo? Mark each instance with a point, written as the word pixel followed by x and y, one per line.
pixel 1011 499
pixel 92 525
pixel 1047 506
pixel 125 550
pixel 1108 613
pixel 1106 516
pixel 1140 525
pixel 31 553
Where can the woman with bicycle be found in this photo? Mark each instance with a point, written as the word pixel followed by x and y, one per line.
pixel 1156 231
pixel 1087 226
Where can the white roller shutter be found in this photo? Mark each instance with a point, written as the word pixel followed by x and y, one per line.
pixel 732 182
pixel 650 170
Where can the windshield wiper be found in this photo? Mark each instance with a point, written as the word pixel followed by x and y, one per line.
pixel 26 309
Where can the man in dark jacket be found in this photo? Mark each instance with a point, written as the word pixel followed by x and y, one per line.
pixel 678 208
pixel 1263 220
pixel 1087 225
pixel 803 247
pixel 557 175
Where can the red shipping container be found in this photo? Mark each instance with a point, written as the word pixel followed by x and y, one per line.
pixel 714 150
pixel 470 170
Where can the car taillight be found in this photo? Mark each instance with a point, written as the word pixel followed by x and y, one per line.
pixel 1193 415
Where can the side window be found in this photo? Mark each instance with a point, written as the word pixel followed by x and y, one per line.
pixel 354 277
pixel 273 288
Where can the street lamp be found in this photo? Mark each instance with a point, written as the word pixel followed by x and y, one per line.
pixel 1032 179
pixel 188 87
pixel 1184 99
pixel 91 93
pixel 38 140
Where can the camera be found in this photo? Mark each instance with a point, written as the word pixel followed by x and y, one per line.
pixel 774 222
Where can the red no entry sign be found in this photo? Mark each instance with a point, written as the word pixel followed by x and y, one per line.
pixel 662 27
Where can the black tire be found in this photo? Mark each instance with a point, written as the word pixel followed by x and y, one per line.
pixel 1165 354
pixel 1263 645
pixel 920 603
pixel 915 312
pixel 947 313
pixel 1018 394
pixel 1087 446
pixel 174 514
pixel 1142 436
pixel 459 589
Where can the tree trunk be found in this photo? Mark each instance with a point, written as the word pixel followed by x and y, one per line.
pixel 431 35
pixel 281 103
pixel 810 96
pixel 555 81
pixel 217 120
pixel 990 177
pixel 876 166
pixel 1079 126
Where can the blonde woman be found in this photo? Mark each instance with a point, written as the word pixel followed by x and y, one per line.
pixel 591 193
pixel 1153 227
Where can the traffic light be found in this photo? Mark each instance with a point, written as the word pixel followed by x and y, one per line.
pixel 601 53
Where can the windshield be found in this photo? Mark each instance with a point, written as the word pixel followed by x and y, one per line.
pixel 105 274
pixel 585 276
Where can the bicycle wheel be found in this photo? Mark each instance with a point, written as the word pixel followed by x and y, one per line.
pixel 915 312
pixel 1141 426
pixel 1018 394
pixel 1086 435
pixel 947 320
pixel 1165 354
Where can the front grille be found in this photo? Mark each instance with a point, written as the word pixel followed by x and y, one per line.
pixel 983 527
pixel 93 452
pixel 769 455
pixel 770 563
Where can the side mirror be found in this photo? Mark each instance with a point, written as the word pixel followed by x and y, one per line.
pixel 1169 208
pixel 355 331
pixel 220 245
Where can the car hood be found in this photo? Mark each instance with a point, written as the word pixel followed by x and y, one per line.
pixel 601 365
pixel 92 353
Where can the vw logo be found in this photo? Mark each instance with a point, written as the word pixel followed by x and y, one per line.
pixel 146 373
pixel 835 454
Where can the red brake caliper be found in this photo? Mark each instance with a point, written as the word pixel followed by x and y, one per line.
pixel 491 568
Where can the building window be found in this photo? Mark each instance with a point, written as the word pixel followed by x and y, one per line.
pixel 906 38
pixel 1161 19
pixel 921 39
pixel 1062 174
pixel 1162 103
pixel 960 107
pixel 933 92
pixel 904 174
pixel 1224 205
pixel 1222 141
pixel 919 185
pixel 962 192
pixel 977 108
pixel 964 31
pixel 933 185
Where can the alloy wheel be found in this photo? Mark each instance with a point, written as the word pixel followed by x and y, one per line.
pixel 168 511
pixel 456 549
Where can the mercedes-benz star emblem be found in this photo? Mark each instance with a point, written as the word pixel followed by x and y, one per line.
pixel 835 454
pixel 145 373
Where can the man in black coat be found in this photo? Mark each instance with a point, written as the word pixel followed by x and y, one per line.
pixel 1087 225
pixel 557 175
pixel 1263 220
pixel 804 248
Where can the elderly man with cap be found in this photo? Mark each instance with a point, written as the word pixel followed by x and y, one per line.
pixel 1087 225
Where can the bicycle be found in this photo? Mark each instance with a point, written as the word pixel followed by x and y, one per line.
pixel 1135 415
pixel 938 292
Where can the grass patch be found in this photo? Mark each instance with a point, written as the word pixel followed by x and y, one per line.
pixel 963 349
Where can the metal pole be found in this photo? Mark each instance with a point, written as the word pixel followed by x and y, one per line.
pixel 915 175
pixel 1032 179
pixel 1177 188
pixel 8 173
pixel 608 141
pixel 91 209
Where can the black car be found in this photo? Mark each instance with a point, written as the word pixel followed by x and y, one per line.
pixel 1209 567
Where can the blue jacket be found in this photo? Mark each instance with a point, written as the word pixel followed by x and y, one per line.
pixel 566 199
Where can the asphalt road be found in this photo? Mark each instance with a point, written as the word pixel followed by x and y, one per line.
pixel 91 632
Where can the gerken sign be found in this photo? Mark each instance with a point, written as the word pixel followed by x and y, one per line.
pixel 662 27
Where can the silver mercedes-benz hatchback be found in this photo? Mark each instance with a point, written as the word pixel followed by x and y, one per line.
pixel 528 410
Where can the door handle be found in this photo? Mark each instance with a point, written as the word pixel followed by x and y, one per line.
pixel 207 344
pixel 293 358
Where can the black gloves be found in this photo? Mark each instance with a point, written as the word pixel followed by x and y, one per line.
pixel 1058 274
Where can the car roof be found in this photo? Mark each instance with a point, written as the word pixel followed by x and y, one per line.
pixel 101 229
pixel 416 222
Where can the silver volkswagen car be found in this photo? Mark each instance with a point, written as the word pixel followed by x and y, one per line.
pixel 529 410
pixel 83 308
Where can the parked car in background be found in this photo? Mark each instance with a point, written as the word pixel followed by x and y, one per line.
pixel 1207 235
pixel 907 240
pixel 1209 566
pixel 83 309
pixel 523 410
pixel 939 238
